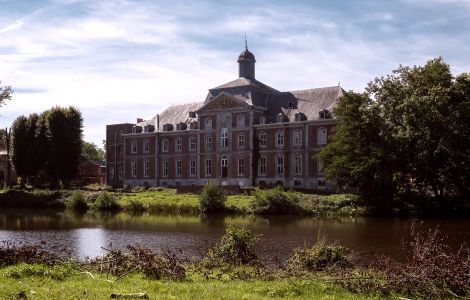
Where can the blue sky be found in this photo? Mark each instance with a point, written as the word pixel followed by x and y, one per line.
pixel 119 60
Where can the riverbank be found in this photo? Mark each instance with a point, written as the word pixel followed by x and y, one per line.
pixel 160 200
pixel 231 269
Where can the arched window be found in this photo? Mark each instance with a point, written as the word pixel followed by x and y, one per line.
pixel 224 136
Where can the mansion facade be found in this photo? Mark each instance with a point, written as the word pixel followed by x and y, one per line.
pixel 244 133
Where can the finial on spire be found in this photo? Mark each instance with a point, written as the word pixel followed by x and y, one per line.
pixel 246 43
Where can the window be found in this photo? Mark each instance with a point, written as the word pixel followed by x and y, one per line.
pixel 262 165
pixel 134 147
pixel 134 168
pixel 208 123
pixel 120 173
pixel 280 165
pixel 224 135
pixel 240 121
pixel 165 145
pixel 179 144
pixel 241 165
pixel 297 183
pixel 298 164
pixel 320 167
pixel 165 168
pixel 322 135
pixel 262 139
pixel 146 146
pixel 298 137
pixel 208 167
pixel 262 120
pixel 280 118
pixel 280 138
pixel 179 168
pixel 192 143
pixel 208 143
pixel 241 141
pixel 192 168
pixel 146 168
pixel 321 183
pixel 111 172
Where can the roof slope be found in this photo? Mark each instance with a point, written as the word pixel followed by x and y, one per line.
pixel 174 114
pixel 311 101
pixel 242 82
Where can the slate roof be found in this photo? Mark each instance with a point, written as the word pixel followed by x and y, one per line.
pixel 311 101
pixel 174 114
pixel 245 82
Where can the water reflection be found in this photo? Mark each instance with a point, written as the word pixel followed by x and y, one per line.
pixel 85 234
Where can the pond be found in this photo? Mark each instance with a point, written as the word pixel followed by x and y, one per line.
pixel 84 235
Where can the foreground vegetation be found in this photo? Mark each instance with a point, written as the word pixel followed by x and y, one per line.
pixel 159 200
pixel 231 270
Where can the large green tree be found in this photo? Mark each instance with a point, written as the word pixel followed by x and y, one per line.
pixel 5 93
pixel 19 146
pixel 408 132
pixel 92 152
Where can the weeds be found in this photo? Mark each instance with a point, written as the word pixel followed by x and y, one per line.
pixel 76 202
pixel 105 201
pixel 212 198
pixel 275 201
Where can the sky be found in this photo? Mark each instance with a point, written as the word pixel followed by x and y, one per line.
pixel 117 60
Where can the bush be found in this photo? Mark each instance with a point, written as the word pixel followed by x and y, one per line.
pixel 319 258
pixel 275 201
pixel 77 202
pixel 212 198
pixel 236 247
pixel 105 201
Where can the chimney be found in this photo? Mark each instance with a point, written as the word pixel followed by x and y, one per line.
pixel 139 120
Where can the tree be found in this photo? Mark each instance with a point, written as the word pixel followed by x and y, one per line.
pixel 5 93
pixel 19 145
pixel 92 152
pixel 65 143
pixel 409 132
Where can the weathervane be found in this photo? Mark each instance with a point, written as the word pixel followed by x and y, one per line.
pixel 246 43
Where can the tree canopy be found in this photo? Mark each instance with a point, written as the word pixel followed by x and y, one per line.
pixel 5 93
pixel 92 152
pixel 407 133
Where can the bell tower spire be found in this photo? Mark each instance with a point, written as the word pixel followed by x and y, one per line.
pixel 246 63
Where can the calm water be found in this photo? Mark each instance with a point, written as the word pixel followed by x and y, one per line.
pixel 83 235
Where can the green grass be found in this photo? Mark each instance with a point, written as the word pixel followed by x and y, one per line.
pixel 62 282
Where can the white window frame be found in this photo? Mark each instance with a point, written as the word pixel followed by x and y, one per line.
pixel 262 120
pixel 280 138
pixel 241 140
pixel 146 168
pixel 297 137
pixel 297 164
pixel 165 168
pixel 208 123
pixel 224 137
pixel 192 167
pixel 133 168
pixel 165 144
pixel 178 168
pixel 146 146
pixel 263 139
pixel 179 144
pixel 133 147
pixel 192 143
pixel 208 142
pixel 241 166
pixel 280 165
pixel 322 136
pixel 120 173
pixel 240 121
pixel 262 165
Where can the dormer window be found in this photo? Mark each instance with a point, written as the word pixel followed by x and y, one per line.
pixel 262 120
pixel 280 118
pixel 134 129
pixel 324 114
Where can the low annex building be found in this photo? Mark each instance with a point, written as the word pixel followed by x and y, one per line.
pixel 244 133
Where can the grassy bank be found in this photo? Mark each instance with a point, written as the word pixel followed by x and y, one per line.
pixel 42 282
pixel 168 201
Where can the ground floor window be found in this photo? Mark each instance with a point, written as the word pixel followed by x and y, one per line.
pixel 179 168
pixel 208 167
pixel 192 168
pixel 241 165
pixel 165 168
pixel 280 165
pixel 146 168
pixel 262 165
pixel 134 168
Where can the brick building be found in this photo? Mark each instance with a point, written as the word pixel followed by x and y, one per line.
pixel 245 133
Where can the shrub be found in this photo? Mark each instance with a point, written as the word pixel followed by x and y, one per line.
pixel 212 198
pixel 77 202
pixel 105 201
pixel 319 258
pixel 275 201
pixel 236 247
pixel 136 205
